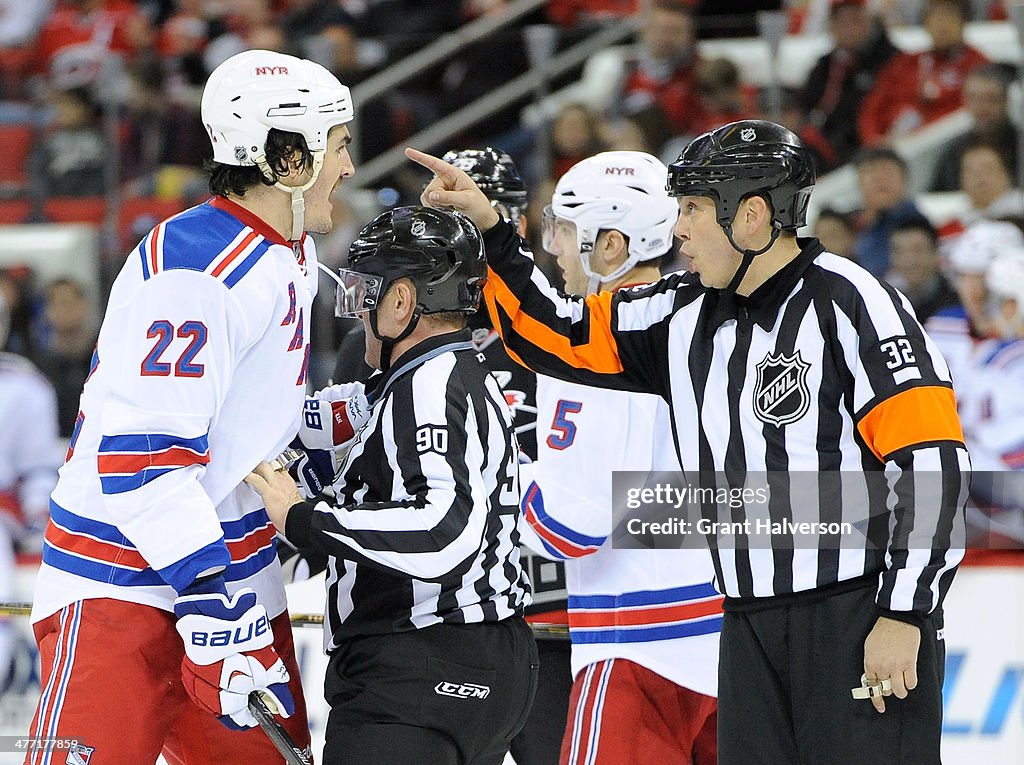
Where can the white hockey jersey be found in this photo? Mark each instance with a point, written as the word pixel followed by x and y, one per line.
pixel 992 407
pixel 29 441
pixel 657 608
pixel 199 373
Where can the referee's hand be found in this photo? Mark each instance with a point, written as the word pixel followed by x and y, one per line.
pixel 452 188
pixel 277 490
pixel 890 651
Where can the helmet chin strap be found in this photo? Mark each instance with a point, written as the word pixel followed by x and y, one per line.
pixel 298 201
pixel 387 344
pixel 748 256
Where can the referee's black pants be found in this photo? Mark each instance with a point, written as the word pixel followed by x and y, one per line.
pixel 449 694
pixel 785 674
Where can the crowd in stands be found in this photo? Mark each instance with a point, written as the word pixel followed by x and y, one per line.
pixel 103 95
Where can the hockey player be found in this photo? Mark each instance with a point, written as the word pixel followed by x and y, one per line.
pixel 777 356
pixel 431 660
pixel 159 604
pixel 644 623
pixel 992 408
pixel 29 458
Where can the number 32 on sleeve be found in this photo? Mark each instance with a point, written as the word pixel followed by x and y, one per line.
pixel 563 430
pixel 164 333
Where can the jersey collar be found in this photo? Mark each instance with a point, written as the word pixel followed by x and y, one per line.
pixel 251 220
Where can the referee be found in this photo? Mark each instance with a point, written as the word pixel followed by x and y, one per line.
pixel 778 356
pixel 431 659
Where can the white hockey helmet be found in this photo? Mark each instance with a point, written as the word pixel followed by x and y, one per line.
pixel 1004 279
pixel 615 190
pixel 256 90
pixel 973 250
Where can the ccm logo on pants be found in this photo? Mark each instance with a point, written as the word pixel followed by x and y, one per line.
pixel 462 690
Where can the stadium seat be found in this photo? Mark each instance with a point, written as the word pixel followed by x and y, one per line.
pixel 16 141
pixel 14 210
pixel 75 209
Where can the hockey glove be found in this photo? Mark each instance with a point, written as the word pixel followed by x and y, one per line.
pixel 314 472
pixel 332 417
pixel 229 653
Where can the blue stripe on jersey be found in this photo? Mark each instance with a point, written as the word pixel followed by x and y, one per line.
pixel 536 503
pixel 79 525
pixel 144 259
pixel 182 573
pixel 195 237
pixel 149 443
pixel 99 571
pixel 648 634
pixel 675 595
pixel 233 530
pixel 246 265
pixel 252 565
pixel 119 484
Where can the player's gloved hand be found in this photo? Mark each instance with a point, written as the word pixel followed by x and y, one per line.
pixel 229 653
pixel 332 417
pixel 315 470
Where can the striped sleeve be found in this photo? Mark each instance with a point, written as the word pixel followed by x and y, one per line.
pixel 607 340
pixel 905 415
pixel 434 522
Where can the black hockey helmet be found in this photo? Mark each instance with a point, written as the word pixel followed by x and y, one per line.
pixel 497 176
pixel 744 159
pixel 440 251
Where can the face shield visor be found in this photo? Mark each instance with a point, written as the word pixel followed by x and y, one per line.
pixel 356 293
pixel 558 233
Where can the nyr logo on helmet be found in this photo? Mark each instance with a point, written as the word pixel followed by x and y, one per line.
pixel 748 134
pixel 264 70
pixel 418 228
pixel 620 171
pixel 781 395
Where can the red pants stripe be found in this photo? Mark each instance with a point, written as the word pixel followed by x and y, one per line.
pixel 112 680
pixel 621 713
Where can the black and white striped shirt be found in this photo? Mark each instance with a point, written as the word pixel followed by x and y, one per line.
pixel 823 368
pixel 424 529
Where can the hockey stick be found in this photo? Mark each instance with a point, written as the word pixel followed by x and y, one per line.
pixel 276 732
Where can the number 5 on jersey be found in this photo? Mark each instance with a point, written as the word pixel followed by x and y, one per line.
pixel 164 333
pixel 563 430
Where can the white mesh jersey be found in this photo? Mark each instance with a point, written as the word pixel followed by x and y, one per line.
pixel 991 406
pixel 199 373
pixel 657 608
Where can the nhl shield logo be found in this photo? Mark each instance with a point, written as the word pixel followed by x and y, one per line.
pixel 418 228
pixel 781 395
pixel 748 134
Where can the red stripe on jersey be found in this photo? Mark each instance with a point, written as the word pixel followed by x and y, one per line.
pixel 219 269
pixel 666 614
pixel 129 464
pixel 566 547
pixel 251 543
pixel 152 249
pixel 94 548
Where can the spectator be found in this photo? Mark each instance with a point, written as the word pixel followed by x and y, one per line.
pixel 88 30
pixel 882 178
pixel 67 355
pixel 321 31
pixel 20 21
pixel 663 72
pixel 723 96
pixel 915 89
pixel 836 86
pixel 571 13
pixel 795 118
pixel 73 154
pixel 575 135
pixel 985 98
pixel 914 269
pixel 835 231
pixel 985 177
pixel 18 291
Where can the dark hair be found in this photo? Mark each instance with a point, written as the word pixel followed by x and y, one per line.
pixel 995 147
pixel 845 218
pixel 915 222
pixel 879 154
pixel 235 179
